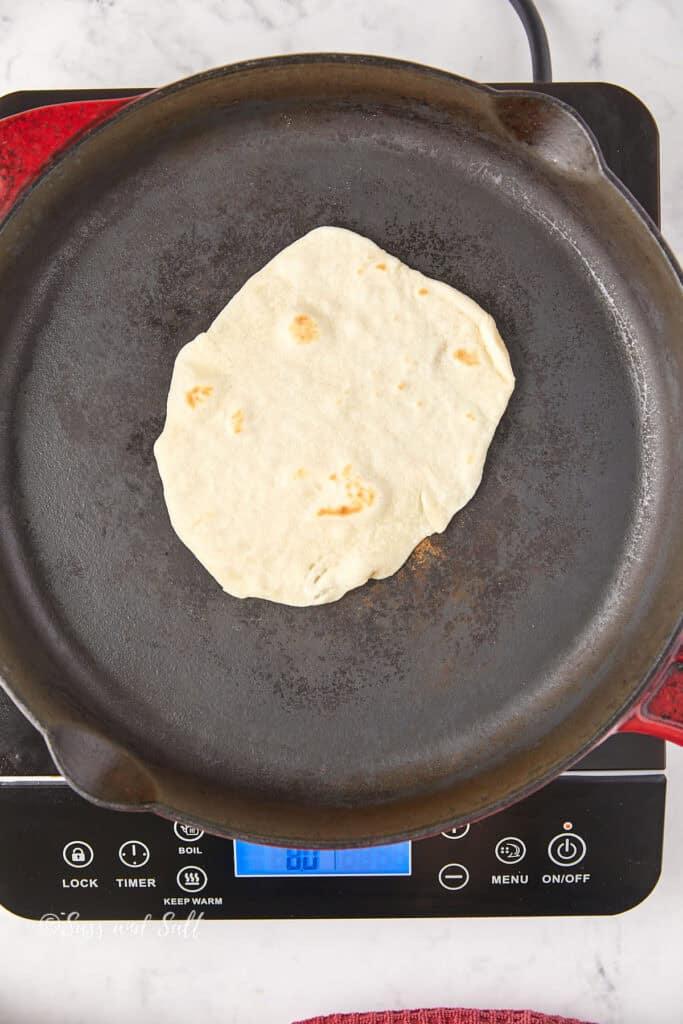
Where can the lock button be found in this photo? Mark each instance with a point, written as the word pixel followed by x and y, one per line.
pixel 78 854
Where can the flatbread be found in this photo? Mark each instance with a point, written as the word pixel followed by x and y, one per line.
pixel 337 411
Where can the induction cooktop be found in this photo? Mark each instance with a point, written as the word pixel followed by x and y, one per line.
pixel 589 843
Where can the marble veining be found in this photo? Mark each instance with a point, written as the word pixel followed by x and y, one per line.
pixel 623 970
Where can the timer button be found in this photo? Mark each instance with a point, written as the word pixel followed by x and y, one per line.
pixel 133 853
pixel 567 849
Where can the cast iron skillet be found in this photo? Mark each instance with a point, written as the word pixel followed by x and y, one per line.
pixel 502 650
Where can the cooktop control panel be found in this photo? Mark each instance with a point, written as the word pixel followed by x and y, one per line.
pixel 587 844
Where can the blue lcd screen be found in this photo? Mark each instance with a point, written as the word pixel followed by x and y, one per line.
pixel 252 861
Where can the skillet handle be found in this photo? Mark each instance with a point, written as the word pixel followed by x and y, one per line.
pixel 32 138
pixel 660 712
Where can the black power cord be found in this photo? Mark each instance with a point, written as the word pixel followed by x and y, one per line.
pixel 538 40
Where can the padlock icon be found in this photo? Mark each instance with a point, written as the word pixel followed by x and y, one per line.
pixel 78 854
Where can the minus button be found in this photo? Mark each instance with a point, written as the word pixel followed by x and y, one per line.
pixel 454 876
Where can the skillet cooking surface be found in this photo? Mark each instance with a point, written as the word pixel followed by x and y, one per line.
pixel 504 645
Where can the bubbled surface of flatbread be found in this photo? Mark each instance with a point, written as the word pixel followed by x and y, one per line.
pixel 337 411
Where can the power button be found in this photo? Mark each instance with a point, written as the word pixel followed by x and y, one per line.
pixel 567 849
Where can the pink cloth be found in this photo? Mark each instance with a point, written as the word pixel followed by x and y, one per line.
pixel 443 1016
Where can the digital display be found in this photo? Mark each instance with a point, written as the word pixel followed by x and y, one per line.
pixel 252 861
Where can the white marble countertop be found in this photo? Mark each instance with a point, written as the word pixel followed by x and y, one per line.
pixel 622 970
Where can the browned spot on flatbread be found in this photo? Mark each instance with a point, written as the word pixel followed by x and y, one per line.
pixel 197 394
pixel 359 496
pixel 402 386
pixel 470 416
pixel 468 358
pixel 300 473
pixel 420 403
pixel 423 291
pixel 238 421
pixel 340 510
pixel 304 329
pixel 381 266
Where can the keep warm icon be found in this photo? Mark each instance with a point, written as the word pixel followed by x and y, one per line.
pixel 192 878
